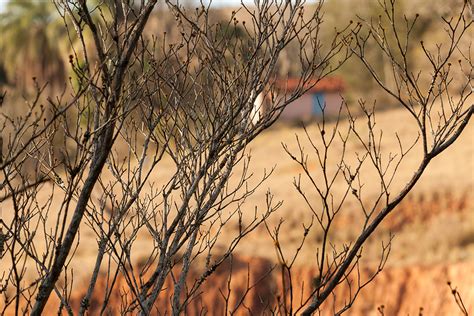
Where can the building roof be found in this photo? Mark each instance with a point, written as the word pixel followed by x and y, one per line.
pixel 327 84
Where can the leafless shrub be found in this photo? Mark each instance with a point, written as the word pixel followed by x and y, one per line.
pixel 136 104
pixel 439 103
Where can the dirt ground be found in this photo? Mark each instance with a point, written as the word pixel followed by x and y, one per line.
pixel 435 222
pixel 433 226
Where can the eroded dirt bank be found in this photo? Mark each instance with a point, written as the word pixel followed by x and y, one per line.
pixel 255 288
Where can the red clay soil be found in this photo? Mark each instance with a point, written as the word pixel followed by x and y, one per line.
pixel 255 288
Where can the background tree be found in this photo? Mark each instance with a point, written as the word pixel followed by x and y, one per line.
pixel 32 34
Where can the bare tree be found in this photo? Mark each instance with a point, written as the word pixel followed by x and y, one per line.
pixel 439 102
pixel 183 107
pixel 136 103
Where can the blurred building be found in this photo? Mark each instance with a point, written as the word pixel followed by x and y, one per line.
pixel 318 95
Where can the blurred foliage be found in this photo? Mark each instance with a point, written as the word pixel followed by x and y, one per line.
pixel 35 43
pixel 428 15
pixel 30 45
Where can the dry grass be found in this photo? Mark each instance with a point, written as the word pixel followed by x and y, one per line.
pixel 435 224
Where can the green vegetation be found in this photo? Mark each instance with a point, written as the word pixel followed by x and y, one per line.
pixel 30 45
